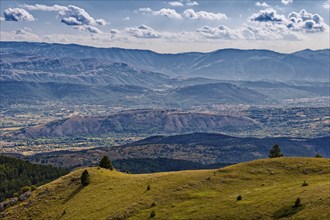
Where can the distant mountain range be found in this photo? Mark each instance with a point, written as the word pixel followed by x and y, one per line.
pixel 226 64
pixel 73 74
pixel 77 71
pixel 129 95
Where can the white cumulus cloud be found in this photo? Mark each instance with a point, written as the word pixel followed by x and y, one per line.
pixel 100 21
pixel 191 3
pixel 40 7
pixel 295 26
pixel 296 21
pixel 286 2
pixel 304 21
pixel 261 4
pixel 249 32
pixel 17 14
pixel 203 15
pixel 181 3
pixel 166 12
pixel 74 15
pixel 145 10
pixel 71 15
pixel 270 25
pixel 114 31
pixel 221 32
pixel 143 31
pixel 22 34
pixel 90 29
pixel 267 15
pixel 326 4
pixel 175 4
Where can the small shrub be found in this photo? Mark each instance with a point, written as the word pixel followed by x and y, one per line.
pixel 208 178
pixel 33 187
pixel 25 189
pixel 305 183
pixel 16 194
pixel 239 198
pixel 148 188
pixel 153 204
pixel 318 156
pixel 152 214
pixel 297 203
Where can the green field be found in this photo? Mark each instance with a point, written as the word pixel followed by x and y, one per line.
pixel 268 187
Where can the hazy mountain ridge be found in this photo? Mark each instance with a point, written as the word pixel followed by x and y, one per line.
pixel 135 78
pixel 12 92
pixel 226 64
pixel 128 95
pixel 89 71
pixel 225 93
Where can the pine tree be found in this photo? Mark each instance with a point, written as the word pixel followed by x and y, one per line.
pixel 84 179
pixel 106 163
pixel 275 152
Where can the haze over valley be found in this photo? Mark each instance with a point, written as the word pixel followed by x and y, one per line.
pixel 98 96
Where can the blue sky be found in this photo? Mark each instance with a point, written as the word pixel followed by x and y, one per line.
pixel 171 26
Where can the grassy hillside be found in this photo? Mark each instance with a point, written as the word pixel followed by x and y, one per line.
pixel 268 187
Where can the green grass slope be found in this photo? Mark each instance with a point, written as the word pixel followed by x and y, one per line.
pixel 268 187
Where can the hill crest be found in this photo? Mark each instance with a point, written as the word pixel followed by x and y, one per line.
pixel 266 186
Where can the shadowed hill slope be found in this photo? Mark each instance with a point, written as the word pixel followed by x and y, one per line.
pixel 204 148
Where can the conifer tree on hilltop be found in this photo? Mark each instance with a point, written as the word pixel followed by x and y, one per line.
pixel 275 152
pixel 84 179
pixel 106 163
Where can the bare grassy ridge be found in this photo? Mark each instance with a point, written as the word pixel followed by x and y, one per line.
pixel 139 121
pixel 267 187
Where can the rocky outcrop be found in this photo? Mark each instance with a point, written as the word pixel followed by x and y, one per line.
pixel 13 201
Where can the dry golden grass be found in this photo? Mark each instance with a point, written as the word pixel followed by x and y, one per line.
pixel 267 187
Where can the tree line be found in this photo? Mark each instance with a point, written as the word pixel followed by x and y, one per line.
pixel 17 175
